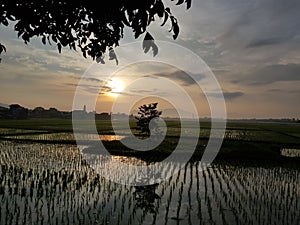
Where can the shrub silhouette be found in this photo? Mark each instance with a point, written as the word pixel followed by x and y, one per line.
pixel 146 113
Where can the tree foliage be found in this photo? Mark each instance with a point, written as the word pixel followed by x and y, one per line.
pixel 145 197
pixel 146 113
pixel 2 49
pixel 91 26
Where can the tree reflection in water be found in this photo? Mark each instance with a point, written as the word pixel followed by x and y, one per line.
pixel 145 196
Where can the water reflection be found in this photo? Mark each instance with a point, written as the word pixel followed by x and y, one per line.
pixel 12 134
pixel 290 152
pixel 105 137
pixel 51 184
pixel 145 198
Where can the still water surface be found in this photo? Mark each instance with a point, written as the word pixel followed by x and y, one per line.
pixel 51 184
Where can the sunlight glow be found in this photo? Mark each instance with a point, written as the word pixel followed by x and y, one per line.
pixel 117 86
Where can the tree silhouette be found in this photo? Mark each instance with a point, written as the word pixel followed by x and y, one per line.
pixel 86 25
pixel 145 197
pixel 146 113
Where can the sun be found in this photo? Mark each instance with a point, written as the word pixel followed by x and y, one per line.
pixel 116 86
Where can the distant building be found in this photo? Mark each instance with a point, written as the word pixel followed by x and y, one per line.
pixel 121 116
pixel 103 116
pixel 16 111
pixel 80 114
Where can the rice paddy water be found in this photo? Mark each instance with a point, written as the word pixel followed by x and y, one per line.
pixel 46 183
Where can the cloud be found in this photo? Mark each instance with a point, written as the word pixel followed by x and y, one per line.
pixel 182 77
pixel 134 90
pixel 248 44
pixel 173 74
pixel 91 88
pixel 266 41
pixel 227 95
pixel 61 68
pixel 124 93
pixel 91 79
pixel 273 73
pixel 147 92
pixel 240 32
pixel 274 90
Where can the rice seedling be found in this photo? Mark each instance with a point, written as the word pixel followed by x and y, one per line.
pixel 50 183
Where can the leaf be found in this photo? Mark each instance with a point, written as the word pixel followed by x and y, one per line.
pixel 2 48
pixel 154 49
pixel 137 34
pixel 59 47
pixel 64 41
pixel 175 27
pixel 5 22
pixel 84 53
pixel 179 2
pixel 160 9
pixel 10 17
pixel 20 33
pixel 100 59
pixel 175 30
pixel 54 38
pixel 188 3
pixel 44 39
pixel 25 37
pixel 48 38
pixel 73 46
pixel 148 43
pixel 112 55
pixel 83 40
pixel 124 20
pixel 168 10
pixel 165 19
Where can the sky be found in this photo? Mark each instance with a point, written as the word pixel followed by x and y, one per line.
pixel 252 47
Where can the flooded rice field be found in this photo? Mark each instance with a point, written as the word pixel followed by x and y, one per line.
pixel 52 184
